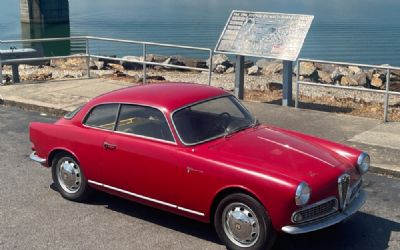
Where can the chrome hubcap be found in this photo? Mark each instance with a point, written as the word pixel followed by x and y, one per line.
pixel 241 224
pixel 69 176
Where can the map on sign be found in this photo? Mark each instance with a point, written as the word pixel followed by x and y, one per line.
pixel 262 34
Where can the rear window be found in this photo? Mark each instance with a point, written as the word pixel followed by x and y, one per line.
pixel 72 114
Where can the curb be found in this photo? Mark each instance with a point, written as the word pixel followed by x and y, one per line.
pixel 385 171
pixel 60 112
pixel 35 108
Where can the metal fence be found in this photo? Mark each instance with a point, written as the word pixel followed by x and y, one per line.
pixel 88 55
pixel 385 92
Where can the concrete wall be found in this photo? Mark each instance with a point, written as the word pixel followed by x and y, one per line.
pixel 44 11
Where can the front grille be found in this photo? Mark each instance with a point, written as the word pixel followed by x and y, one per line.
pixel 355 190
pixel 315 211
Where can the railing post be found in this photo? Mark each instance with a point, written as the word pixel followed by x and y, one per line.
pixel 88 57
pixel 296 100
pixel 210 68
pixel 386 103
pixel 1 71
pixel 144 63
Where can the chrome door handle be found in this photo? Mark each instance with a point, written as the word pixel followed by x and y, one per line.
pixel 109 146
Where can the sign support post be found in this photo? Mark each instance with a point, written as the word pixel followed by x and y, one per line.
pixel 287 83
pixel 239 77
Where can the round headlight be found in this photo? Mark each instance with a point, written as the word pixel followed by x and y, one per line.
pixel 363 162
pixel 303 193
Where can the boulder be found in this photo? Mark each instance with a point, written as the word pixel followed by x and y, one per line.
pixel 115 66
pixel 220 69
pixel 248 64
pixel 230 70
pixel 348 81
pixel 132 65
pixel 324 77
pixel 174 61
pixel 376 80
pixel 325 67
pixel 272 68
pixel 307 68
pixel 354 69
pixel 99 65
pixel 254 70
pixel 263 63
pixel 273 86
pixel 219 59
pixel 361 78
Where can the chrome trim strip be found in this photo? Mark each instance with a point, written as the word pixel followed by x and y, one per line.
pixel 33 156
pixel 146 198
pixel 328 221
pixel 117 115
pixel 343 190
pixel 335 208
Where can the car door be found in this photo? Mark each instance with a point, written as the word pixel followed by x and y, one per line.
pixel 140 157
pixel 98 124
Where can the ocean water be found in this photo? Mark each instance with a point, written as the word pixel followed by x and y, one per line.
pixel 360 31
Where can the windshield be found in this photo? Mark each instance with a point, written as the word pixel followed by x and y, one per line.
pixel 211 119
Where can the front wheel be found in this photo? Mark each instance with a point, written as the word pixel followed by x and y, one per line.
pixel 241 222
pixel 69 178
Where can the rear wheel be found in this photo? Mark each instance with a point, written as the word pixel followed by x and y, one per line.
pixel 241 222
pixel 69 178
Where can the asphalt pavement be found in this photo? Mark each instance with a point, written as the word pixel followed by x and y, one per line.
pixel 34 216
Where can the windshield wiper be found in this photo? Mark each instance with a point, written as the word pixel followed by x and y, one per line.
pixel 237 130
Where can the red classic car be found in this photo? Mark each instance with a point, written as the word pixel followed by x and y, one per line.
pixel 196 151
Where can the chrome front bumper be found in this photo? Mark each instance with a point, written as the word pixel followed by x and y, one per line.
pixel 36 158
pixel 351 209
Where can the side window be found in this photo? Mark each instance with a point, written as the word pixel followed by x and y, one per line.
pixel 102 116
pixel 143 121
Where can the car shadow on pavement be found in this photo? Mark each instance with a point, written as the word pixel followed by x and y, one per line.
pixel 362 231
pixel 156 216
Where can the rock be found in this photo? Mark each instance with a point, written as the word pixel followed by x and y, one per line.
pixel 248 64
pixel 220 69
pixel 230 70
pixel 154 78
pixel 376 80
pixel 115 66
pixel 119 74
pixel 219 59
pixel 361 78
pixel 324 77
pixel 254 70
pixel 99 65
pixel 263 63
pixel 329 68
pixel 339 72
pixel 174 61
pixel 354 69
pixel 107 61
pixel 272 68
pixel 307 68
pixel 348 81
pixel 131 65
pixel 273 86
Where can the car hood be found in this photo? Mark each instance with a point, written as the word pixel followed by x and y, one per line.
pixel 277 151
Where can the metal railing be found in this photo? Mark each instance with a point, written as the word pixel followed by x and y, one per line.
pixel 88 55
pixel 386 92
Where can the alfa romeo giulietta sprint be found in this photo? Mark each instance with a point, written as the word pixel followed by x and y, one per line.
pixel 197 151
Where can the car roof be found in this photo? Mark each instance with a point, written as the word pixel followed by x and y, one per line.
pixel 169 96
